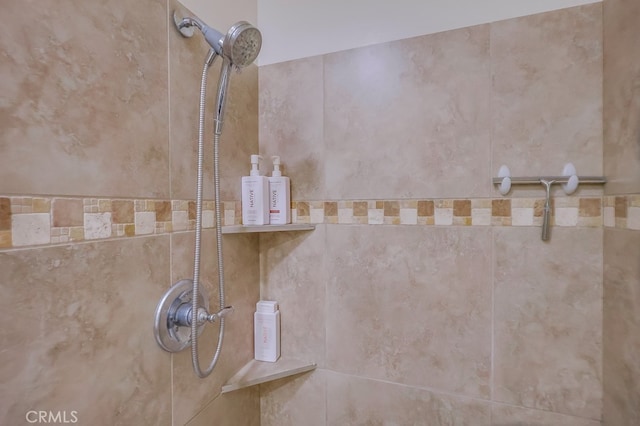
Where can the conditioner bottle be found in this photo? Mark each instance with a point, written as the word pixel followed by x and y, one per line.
pixel 279 196
pixel 255 197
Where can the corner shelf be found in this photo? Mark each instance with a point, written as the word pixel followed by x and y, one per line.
pixel 243 229
pixel 256 372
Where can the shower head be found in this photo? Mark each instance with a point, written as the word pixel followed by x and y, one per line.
pixel 239 48
pixel 240 45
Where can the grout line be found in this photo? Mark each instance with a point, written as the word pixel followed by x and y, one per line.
pixel 450 394
pixel 493 316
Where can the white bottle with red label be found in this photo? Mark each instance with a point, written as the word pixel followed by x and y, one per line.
pixel 279 196
pixel 266 326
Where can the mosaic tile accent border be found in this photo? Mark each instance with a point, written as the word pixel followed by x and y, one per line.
pixel 571 212
pixel 622 211
pixel 33 221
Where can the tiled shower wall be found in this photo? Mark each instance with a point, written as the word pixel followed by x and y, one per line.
pixel 98 111
pixel 621 328
pixel 443 324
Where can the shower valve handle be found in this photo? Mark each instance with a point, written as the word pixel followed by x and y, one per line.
pixel 222 313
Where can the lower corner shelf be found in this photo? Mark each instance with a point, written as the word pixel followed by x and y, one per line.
pixel 256 372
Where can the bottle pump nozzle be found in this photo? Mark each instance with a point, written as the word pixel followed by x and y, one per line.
pixel 276 166
pixel 255 161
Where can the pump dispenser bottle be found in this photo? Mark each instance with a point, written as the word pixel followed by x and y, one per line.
pixel 255 196
pixel 279 195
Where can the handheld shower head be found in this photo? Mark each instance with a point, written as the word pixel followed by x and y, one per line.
pixel 242 44
pixel 239 48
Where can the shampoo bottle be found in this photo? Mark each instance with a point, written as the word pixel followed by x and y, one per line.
pixel 255 196
pixel 266 323
pixel 279 195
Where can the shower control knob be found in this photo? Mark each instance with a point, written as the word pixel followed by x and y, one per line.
pixel 222 313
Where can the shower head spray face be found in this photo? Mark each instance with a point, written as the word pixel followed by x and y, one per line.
pixel 242 44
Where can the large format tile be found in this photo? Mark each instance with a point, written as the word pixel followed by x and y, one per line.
pixel 505 415
pixel 411 305
pixel 294 401
pixel 409 118
pixel 291 121
pixel 242 286
pixel 621 96
pixel 84 99
pixel 547 92
pixel 621 328
pixel 239 408
pixel 293 273
pixel 357 401
pixel 548 320
pixel 78 335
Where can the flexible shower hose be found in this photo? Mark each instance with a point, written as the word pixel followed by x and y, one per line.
pixel 196 261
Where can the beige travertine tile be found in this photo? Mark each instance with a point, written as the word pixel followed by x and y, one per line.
pixel 360 208
pixel 565 216
pixel 547 92
pixel 425 208
pixel 191 394
pixel 293 273
pixel 145 222
pixel 239 408
pixel 621 207
pixel 67 212
pixel 5 214
pixel 84 99
pixel 291 122
pixel 548 316
pixel 501 208
pixel 609 217
pixel 633 218
pixel 294 401
pixel 481 217
pixel 522 216
pixel 504 415
pixel 621 328
pixel 330 209
pixel 41 205
pixel 416 313
pixel 123 211
pixel 303 208
pixel 31 229
pixel 80 344
pixel 417 107
pixel 462 207
pixel 621 96
pixel 163 211
pixel 590 207
pixel 357 401
pixel 97 225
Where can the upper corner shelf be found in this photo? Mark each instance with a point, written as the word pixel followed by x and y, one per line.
pixel 244 229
